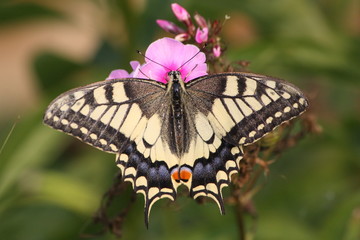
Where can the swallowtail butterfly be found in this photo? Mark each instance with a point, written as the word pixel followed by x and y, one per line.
pixel 165 135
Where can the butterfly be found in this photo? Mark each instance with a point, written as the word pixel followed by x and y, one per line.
pixel 166 135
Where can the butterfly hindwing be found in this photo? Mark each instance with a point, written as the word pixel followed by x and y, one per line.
pixel 152 179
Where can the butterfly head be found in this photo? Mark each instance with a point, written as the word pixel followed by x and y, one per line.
pixel 175 82
pixel 174 76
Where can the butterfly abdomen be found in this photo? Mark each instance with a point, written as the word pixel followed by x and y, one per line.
pixel 178 115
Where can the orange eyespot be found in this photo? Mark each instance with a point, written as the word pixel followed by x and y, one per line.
pixel 175 175
pixel 185 174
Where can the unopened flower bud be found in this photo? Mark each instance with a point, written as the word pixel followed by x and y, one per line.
pixel 200 20
pixel 217 51
pixel 169 26
pixel 180 12
pixel 201 35
pixel 182 37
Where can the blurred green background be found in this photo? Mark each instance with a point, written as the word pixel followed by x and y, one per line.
pixel 52 184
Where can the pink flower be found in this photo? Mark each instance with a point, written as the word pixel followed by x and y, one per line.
pixel 180 12
pixel 120 73
pixel 167 55
pixel 217 51
pixel 201 35
pixel 169 26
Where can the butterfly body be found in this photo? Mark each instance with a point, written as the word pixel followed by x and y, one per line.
pixel 176 87
pixel 165 135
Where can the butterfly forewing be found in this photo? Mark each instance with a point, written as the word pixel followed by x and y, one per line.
pixel 99 114
pixel 243 106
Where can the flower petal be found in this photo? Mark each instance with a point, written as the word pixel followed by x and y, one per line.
pixel 135 65
pixel 119 73
pixel 154 72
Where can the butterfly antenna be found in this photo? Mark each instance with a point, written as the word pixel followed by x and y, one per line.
pixel 139 52
pixel 192 58
pixel 190 71
pixel 144 73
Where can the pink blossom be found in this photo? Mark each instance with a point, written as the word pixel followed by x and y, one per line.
pixel 217 51
pixel 167 55
pixel 169 26
pixel 121 73
pixel 118 73
pixel 180 12
pixel 201 35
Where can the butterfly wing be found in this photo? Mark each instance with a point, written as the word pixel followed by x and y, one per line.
pixel 232 110
pixel 124 117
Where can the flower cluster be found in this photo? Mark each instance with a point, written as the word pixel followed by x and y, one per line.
pixel 168 54
pixel 204 34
